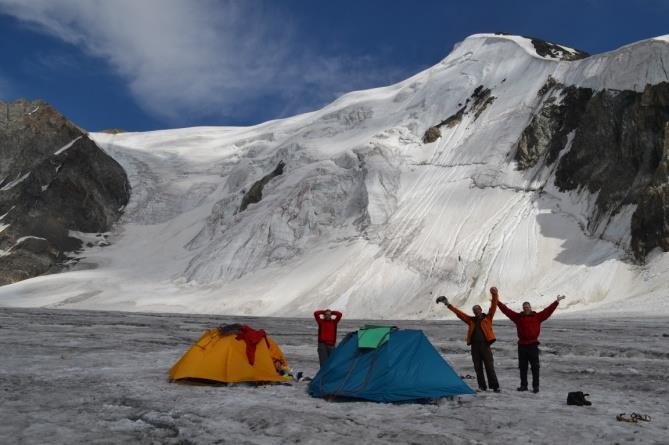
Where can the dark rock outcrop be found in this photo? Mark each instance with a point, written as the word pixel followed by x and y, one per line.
pixel 476 103
pixel 550 84
pixel 619 151
pixel 53 180
pixel 548 131
pixel 650 221
pixel 431 135
pixel 548 49
pixel 481 100
pixel 552 50
pixel 454 119
pixel 255 192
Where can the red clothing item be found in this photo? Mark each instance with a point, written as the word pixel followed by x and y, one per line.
pixel 528 326
pixel 251 337
pixel 327 329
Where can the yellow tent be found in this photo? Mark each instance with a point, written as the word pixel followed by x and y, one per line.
pixel 222 358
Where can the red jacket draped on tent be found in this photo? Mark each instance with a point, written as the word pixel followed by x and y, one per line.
pixel 251 337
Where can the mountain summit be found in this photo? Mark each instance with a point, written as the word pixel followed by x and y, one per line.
pixel 513 162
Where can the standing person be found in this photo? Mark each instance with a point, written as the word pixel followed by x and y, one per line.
pixel 480 336
pixel 528 325
pixel 327 332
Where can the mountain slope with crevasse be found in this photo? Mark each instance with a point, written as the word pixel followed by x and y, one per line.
pixel 500 166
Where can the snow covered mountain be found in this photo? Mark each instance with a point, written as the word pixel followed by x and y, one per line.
pixel 513 163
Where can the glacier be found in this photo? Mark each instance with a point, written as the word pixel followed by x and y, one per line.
pixel 366 218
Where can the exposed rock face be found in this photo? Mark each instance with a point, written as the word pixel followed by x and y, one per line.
pixel 255 192
pixel 481 100
pixel 553 50
pixel 650 222
pixel 431 135
pixel 548 49
pixel 454 119
pixel 619 151
pixel 476 104
pixel 548 131
pixel 53 180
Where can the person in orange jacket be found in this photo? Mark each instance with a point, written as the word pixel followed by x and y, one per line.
pixel 327 332
pixel 480 336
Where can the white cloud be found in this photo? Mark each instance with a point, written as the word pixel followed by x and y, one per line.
pixel 198 57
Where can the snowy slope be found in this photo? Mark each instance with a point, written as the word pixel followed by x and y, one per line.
pixel 366 218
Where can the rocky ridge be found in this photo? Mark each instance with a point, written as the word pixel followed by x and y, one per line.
pixel 616 146
pixel 54 182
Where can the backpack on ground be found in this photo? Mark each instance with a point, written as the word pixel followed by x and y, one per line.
pixel 578 398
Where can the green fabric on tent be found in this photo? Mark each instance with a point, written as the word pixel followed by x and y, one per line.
pixel 372 337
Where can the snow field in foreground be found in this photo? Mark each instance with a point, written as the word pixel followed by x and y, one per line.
pixel 101 377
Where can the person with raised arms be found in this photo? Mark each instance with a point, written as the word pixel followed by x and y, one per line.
pixel 480 336
pixel 327 332
pixel 528 327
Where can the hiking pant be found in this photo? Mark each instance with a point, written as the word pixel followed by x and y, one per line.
pixel 324 351
pixel 528 354
pixel 482 357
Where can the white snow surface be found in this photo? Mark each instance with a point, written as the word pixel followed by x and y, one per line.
pixel 3 216
pixel 19 179
pixel 23 238
pixel 367 219
pixel 101 377
pixel 66 146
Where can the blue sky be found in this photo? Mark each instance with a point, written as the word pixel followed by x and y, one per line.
pixel 152 64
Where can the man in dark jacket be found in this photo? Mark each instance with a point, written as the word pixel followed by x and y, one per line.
pixel 480 336
pixel 528 326
pixel 327 333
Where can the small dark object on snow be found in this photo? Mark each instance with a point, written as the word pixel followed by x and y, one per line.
pixel 622 418
pixel 637 416
pixel 578 398
pixel 633 418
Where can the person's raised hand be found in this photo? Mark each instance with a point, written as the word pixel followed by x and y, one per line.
pixel 442 299
pixel 494 292
pixel 560 297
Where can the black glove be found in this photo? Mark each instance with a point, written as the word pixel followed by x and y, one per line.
pixel 442 299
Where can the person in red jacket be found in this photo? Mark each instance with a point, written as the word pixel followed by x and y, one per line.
pixel 480 336
pixel 528 326
pixel 327 332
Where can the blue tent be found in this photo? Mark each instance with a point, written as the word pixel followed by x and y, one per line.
pixel 404 367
